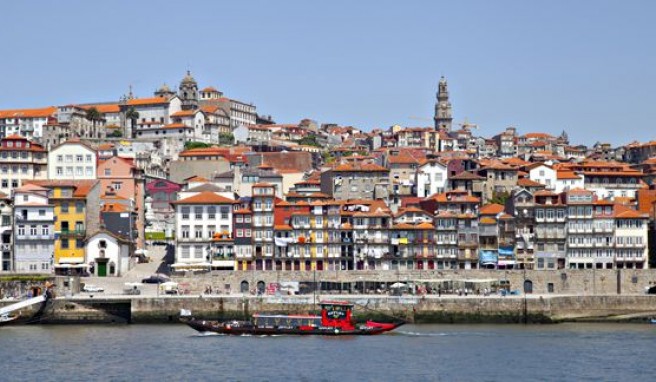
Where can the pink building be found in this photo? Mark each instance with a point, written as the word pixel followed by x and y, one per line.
pixel 120 176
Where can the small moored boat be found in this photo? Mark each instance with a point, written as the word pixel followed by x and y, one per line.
pixel 6 319
pixel 335 320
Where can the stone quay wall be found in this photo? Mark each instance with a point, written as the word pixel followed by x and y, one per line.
pixel 564 281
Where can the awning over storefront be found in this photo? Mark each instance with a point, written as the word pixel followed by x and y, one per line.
pixel 488 257
pixel 506 251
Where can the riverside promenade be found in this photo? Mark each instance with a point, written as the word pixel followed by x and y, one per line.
pixel 420 296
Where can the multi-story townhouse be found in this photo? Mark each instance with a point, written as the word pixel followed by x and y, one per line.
pixel 446 240
pixel 262 202
pixel 402 175
pixel 34 235
pixel 602 238
pixel 488 235
pixel 356 181
pixel 506 142
pixel 20 160
pixel 567 180
pixel 243 235
pixel 580 234
pixel 6 233
pixel 371 233
pixel 198 218
pixel 465 207
pixel 339 241
pixel 27 123
pixel 608 179
pixel 431 178
pixel 550 230
pixel 77 208
pixel 499 179
pixel 507 258
pixel 631 237
pixel 73 160
pixel 126 180
pixel 521 205
pixel 468 181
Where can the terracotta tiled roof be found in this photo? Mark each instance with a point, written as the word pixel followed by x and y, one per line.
pixel 526 182
pixel 184 113
pixel 360 168
pixel 147 101
pixel 623 212
pixel 538 135
pixel 466 175
pixel 28 113
pixel 491 209
pixel 205 197
pixel 81 187
pixel 113 207
pixel 567 175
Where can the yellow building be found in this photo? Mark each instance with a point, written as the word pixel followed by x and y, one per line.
pixel 72 201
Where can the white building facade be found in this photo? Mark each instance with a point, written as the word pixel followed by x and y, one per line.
pixel 72 160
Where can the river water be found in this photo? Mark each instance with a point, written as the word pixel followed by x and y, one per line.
pixel 576 352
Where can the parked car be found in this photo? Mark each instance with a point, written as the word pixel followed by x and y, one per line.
pixel 155 279
pixel 92 288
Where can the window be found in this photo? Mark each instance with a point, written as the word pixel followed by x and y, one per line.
pixel 69 171
pixel 108 172
pixel 239 218
pixel 211 212
pixel 184 252
pixel 60 158
pixel 185 231
pixel 185 213
pixel 79 171
pixel 117 185
pixel 89 158
pixel 69 159
pixel 14 183
pixel 79 243
pixel 198 231
pixel 64 207
pixel 79 207
pixel 79 158
pixel 64 244
pixel 89 171
pixel 247 232
pixel 33 230
pixel 240 232
pixel 45 230
pixel 60 171
pixel 211 230
pixel 198 252
pixel 225 212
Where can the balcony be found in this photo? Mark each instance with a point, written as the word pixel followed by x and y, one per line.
pixel 488 231
pixel 72 233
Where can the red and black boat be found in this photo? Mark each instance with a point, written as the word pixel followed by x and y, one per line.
pixel 335 320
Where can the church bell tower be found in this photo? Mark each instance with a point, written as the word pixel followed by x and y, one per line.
pixel 443 116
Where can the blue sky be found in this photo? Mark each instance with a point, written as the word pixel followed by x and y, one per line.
pixel 585 66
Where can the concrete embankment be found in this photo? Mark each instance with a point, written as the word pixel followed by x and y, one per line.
pixel 431 309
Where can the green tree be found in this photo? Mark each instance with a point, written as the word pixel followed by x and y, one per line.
pixel 133 116
pixel 196 145
pixel 116 134
pixel 94 116
pixel 226 139
pixel 500 198
pixel 309 140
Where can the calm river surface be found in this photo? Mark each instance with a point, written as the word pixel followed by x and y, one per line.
pixel 577 352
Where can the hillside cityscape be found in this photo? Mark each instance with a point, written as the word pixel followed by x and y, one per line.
pixel 86 187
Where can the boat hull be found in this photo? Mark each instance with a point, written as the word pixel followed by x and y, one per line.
pixel 245 328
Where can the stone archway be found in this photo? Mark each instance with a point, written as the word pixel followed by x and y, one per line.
pixel 244 287
pixel 528 286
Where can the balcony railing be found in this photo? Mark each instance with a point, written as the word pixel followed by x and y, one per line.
pixel 73 233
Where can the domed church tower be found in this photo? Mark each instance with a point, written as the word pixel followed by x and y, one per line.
pixel 188 92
